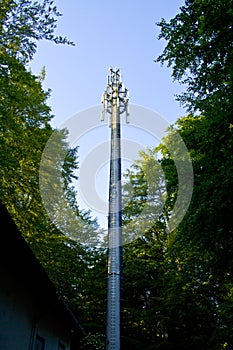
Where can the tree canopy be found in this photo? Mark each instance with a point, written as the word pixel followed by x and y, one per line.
pixel 24 22
pixel 199 50
pixel 24 131
pixel 178 288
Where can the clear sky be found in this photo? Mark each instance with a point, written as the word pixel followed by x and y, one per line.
pixel 109 33
pixel 120 34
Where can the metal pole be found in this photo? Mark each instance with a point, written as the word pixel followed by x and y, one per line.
pixel 115 101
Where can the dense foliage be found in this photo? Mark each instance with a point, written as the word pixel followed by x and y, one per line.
pixel 199 50
pixel 23 23
pixel 178 288
pixel 182 293
pixel 24 112
pixel 24 131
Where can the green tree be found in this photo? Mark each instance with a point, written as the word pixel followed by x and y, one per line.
pixel 24 132
pixel 143 288
pixel 199 49
pixel 24 114
pixel 144 194
pixel 23 23
pixel 144 223
pixel 171 293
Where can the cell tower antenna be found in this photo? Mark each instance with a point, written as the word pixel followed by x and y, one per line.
pixel 115 102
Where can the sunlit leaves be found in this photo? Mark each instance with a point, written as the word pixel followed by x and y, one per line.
pixel 24 22
pixel 199 49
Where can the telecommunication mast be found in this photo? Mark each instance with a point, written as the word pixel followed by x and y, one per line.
pixel 115 102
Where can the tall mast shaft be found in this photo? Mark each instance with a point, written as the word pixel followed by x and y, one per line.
pixel 115 100
pixel 114 238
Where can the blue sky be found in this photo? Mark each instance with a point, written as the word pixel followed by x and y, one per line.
pixel 108 33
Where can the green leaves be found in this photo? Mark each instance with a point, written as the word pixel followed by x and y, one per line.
pixel 24 133
pixel 24 22
pixel 199 49
pixel 178 286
